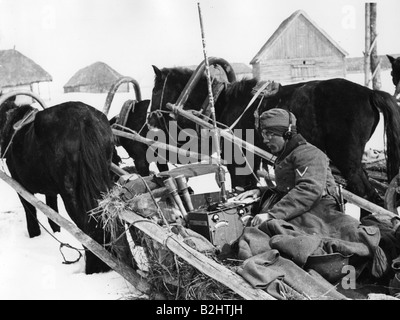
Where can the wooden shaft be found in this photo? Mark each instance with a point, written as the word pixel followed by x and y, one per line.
pixel 198 260
pixel 124 270
pixel 161 145
pixel 367 61
pixel 117 170
pixel 227 135
pixel 367 205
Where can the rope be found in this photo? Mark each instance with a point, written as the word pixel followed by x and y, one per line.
pixel 62 244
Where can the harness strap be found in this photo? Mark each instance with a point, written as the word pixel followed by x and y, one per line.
pixel 30 117
pixel 262 88
pixel 27 119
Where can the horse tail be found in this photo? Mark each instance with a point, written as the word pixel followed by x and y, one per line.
pixel 391 115
pixel 95 162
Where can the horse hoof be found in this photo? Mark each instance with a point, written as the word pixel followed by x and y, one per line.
pixel 34 234
pixel 97 269
pixel 95 265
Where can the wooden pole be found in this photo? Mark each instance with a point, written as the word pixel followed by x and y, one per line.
pixel 117 170
pixel 224 134
pixel 367 205
pixel 375 61
pixel 124 270
pixel 160 145
pixel 367 46
pixel 216 136
pixel 198 260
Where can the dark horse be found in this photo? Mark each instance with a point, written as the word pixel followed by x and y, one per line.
pixel 133 116
pixel 336 115
pixel 134 119
pixel 65 149
pixel 395 73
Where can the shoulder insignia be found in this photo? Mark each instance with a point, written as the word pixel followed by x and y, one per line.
pixel 301 174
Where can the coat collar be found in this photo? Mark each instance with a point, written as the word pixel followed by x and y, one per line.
pixel 291 144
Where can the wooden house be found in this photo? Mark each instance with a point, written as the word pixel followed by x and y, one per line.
pixel 299 50
pixel 95 78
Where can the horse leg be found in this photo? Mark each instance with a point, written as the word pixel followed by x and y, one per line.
pixel 31 219
pixel 88 226
pixel 51 201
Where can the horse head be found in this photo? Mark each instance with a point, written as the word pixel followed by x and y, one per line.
pixel 395 62
pixel 168 85
pixel 187 89
pixel 10 112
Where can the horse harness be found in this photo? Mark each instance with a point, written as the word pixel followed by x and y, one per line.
pixel 28 118
pixel 265 89
pixel 127 108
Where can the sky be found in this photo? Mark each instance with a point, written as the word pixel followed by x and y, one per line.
pixel 64 36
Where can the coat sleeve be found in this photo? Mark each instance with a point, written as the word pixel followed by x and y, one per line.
pixel 310 167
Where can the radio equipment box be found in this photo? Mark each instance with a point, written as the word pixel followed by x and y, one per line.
pixel 219 223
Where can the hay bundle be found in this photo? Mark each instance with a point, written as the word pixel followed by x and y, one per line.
pixel 166 273
pixel 178 280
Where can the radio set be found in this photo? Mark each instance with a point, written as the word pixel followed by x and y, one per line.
pixel 220 223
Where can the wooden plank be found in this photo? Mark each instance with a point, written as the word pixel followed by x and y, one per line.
pixel 124 270
pixel 367 205
pixel 196 259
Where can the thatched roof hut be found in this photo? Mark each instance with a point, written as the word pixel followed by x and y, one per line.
pixel 17 70
pixel 95 78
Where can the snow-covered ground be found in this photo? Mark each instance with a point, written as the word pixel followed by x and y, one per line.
pixel 33 268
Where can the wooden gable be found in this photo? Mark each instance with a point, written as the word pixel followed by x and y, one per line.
pixel 298 37
pixel 299 50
